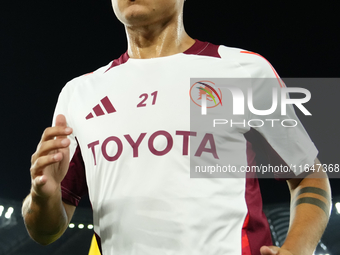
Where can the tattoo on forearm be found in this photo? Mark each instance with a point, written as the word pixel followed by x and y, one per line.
pixel 314 190
pixel 312 200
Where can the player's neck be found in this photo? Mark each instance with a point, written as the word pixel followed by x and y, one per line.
pixel 158 40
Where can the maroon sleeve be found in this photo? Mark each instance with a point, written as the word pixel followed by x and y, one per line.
pixel 260 143
pixel 74 185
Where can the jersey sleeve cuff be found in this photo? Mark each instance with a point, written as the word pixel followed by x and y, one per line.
pixel 69 197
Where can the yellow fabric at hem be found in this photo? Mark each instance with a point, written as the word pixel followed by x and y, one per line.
pixel 94 249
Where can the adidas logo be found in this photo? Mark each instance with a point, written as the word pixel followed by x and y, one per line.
pixel 98 109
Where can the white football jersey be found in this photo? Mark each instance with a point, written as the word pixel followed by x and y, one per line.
pixel 131 151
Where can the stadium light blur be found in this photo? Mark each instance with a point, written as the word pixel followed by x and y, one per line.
pixel 9 212
pixel 71 225
pixel 81 226
pixel 337 206
pixel 1 209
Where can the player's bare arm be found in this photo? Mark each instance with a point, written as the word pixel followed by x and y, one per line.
pixel 310 209
pixel 46 216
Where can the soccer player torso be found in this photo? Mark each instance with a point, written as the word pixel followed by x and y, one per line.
pixel 131 122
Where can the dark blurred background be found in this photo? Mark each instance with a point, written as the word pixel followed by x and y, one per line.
pixel 44 44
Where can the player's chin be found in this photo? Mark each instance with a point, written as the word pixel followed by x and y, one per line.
pixel 136 16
